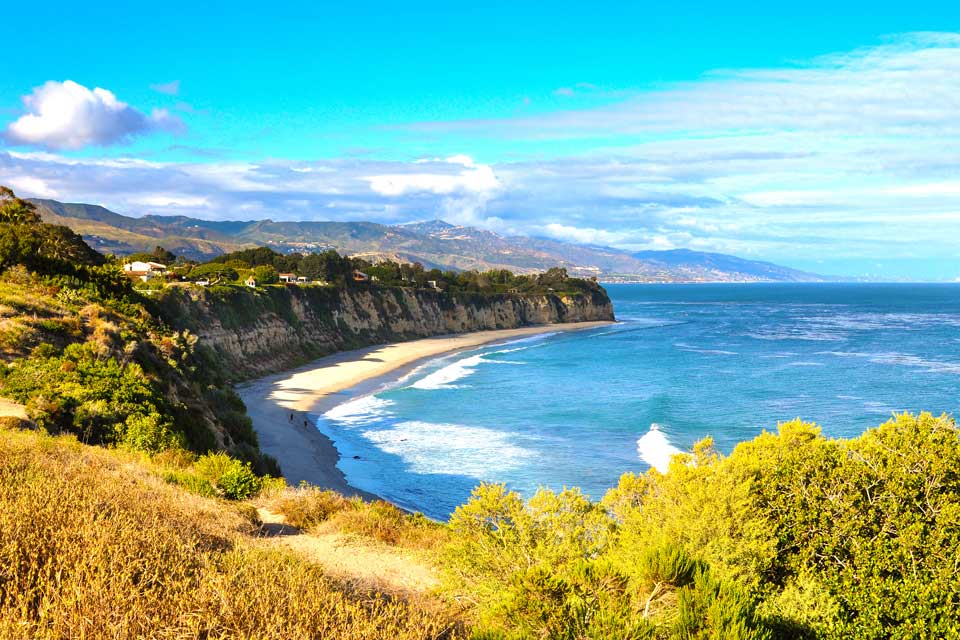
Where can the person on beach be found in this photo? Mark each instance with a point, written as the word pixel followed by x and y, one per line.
pixel 291 417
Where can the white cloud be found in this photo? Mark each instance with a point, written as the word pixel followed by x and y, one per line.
pixel 907 85
pixel 67 115
pixel 583 235
pixel 466 178
pixel 32 186
pixel 168 200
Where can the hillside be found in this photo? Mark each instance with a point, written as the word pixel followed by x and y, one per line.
pixel 435 244
pixel 792 536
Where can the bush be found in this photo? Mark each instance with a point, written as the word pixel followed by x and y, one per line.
pixel 151 432
pixel 307 506
pixel 230 478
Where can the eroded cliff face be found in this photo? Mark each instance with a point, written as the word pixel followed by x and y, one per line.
pixel 261 331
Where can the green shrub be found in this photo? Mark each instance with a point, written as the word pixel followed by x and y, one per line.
pixel 191 482
pixel 151 432
pixel 230 478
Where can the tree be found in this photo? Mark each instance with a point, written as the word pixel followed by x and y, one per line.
pixel 159 254
pixel 16 211
pixel 265 274
pixel 212 270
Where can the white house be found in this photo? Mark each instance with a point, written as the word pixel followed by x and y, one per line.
pixel 144 270
pixel 288 277
pixel 251 282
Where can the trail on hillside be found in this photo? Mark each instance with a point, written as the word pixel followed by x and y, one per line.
pixel 12 409
pixel 352 560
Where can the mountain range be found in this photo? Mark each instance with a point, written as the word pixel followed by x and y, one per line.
pixel 434 244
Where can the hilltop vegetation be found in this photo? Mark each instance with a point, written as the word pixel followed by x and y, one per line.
pixel 86 355
pixel 332 269
pixel 793 535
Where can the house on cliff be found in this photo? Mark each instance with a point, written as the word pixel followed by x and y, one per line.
pixel 144 270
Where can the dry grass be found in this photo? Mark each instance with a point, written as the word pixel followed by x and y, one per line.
pixel 93 544
pixel 322 511
pixel 306 507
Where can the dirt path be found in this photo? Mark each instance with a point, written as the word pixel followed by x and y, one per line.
pixel 353 561
pixel 10 408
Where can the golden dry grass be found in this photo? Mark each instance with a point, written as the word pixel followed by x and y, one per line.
pixel 323 511
pixel 95 545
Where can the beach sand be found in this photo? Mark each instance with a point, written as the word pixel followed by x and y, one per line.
pixel 279 404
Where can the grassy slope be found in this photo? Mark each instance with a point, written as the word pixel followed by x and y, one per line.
pixel 92 539
pixel 39 315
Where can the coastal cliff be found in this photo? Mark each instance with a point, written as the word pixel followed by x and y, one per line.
pixel 259 331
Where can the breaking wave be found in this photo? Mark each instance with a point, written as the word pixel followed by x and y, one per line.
pixel 655 449
pixel 432 448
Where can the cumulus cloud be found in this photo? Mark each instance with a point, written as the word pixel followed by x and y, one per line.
pixel 584 235
pixel 68 115
pixel 456 174
pixel 465 185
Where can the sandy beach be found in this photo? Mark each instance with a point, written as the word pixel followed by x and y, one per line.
pixel 279 404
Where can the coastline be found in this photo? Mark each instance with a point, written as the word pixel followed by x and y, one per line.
pixel 280 404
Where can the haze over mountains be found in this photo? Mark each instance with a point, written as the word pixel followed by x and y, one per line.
pixel 435 244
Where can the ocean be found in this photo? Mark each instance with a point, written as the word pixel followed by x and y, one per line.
pixel 579 409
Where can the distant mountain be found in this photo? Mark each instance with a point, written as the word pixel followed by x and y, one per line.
pixel 720 263
pixel 434 243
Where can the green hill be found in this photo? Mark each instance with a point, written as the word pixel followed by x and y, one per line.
pixel 435 244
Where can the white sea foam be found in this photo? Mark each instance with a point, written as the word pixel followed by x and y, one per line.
pixel 432 448
pixel 359 411
pixel 655 449
pixel 444 377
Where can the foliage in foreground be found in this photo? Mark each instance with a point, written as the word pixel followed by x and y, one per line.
pixel 793 535
pixel 318 510
pixel 91 545
pixel 87 355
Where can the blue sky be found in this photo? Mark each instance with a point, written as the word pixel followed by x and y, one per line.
pixel 824 140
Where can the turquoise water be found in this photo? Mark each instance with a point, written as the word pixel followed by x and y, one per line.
pixel 685 361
